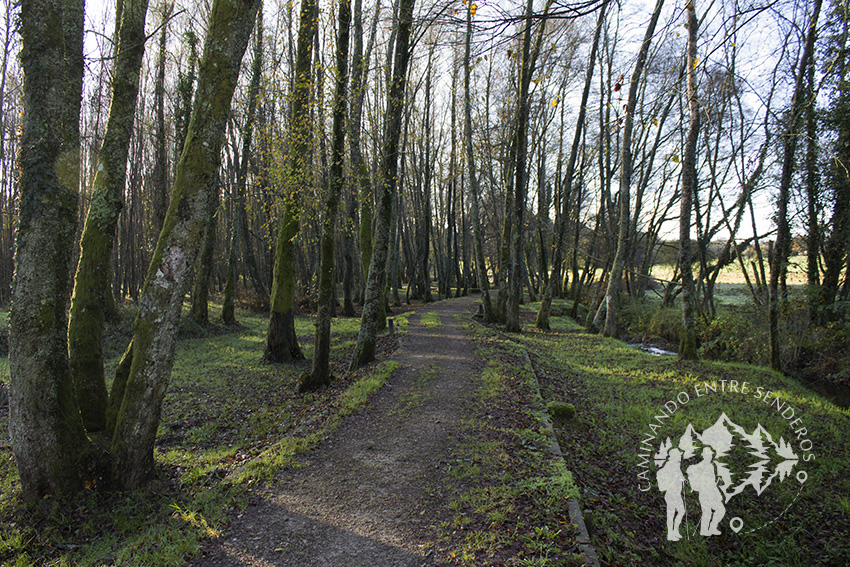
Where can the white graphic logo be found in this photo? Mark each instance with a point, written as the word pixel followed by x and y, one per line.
pixel 702 463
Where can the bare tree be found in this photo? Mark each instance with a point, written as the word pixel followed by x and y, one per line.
pixel 367 337
pixel 149 360
pixel 281 341
pixel 616 274
pixel 688 340
pixel 320 373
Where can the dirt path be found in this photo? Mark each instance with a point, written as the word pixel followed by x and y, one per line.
pixel 362 497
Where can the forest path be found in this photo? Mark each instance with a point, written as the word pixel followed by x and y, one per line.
pixel 362 497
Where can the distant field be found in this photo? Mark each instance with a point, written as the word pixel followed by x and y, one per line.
pixel 732 274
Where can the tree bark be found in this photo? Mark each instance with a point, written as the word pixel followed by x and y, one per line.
pixel 782 250
pixel 475 215
pixel 281 340
pixel 46 431
pixel 91 285
pixel 529 58
pixel 367 337
pixel 688 339
pixel 227 311
pixel 155 327
pixel 320 373
pixel 160 167
pixel 199 311
pixel 359 73
pixel 542 321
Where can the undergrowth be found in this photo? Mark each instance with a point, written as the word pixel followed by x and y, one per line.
pixel 230 423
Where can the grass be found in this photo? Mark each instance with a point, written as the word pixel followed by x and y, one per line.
pixel 431 320
pixel 617 392
pixel 418 394
pixel 508 493
pixel 229 424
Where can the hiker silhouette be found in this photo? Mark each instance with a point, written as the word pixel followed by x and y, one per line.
pixel 671 482
pixel 703 480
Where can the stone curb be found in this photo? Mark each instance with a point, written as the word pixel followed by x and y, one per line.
pixel 591 558
pixel 576 516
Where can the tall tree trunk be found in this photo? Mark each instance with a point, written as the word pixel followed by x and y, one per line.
pixel 46 431
pixel 475 215
pixel 320 373
pixel 542 321
pixel 185 90
pixel 367 337
pixel 613 290
pixel 91 285
pixel 529 58
pixel 227 311
pixel 155 328
pixel 836 246
pixel 348 256
pixel 281 341
pixel 813 240
pixel 160 166
pixel 688 339
pixel 782 250
pixel 359 75
pixel 199 311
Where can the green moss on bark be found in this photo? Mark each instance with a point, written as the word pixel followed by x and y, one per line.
pixel 155 328
pixel 46 431
pixel 91 285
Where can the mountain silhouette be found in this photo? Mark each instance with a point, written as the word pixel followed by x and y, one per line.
pixel 721 437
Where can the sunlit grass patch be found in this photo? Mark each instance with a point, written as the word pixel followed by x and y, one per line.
pixel 431 320
pixel 418 394
pixel 509 492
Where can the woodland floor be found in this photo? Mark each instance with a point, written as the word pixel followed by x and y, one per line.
pixel 391 486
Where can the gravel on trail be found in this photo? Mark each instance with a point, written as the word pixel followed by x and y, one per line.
pixel 364 496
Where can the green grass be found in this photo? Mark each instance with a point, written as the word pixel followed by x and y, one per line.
pixel 229 423
pixel 617 391
pixel 508 492
pixel 431 320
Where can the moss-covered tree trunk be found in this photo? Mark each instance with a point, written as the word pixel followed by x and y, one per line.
pixel 350 216
pixel 368 335
pixel 688 338
pixel 612 293
pixel 91 284
pixel 320 373
pixel 46 431
pixel 155 327
pixel 359 73
pixel 281 340
pixel 199 311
